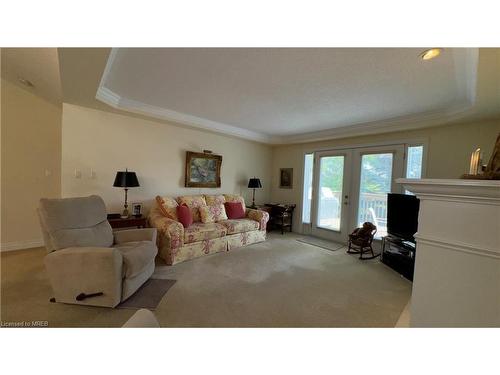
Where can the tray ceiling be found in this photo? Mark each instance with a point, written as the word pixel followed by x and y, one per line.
pixel 282 95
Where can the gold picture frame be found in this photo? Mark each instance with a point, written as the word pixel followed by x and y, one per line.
pixel 203 170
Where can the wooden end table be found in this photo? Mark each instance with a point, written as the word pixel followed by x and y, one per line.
pixel 280 215
pixel 129 222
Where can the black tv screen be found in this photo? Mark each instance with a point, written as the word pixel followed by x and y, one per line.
pixel 402 215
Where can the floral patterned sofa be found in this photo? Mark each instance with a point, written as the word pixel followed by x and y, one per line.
pixel 178 244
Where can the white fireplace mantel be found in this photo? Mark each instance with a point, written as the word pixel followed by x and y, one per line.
pixel 477 190
pixel 457 268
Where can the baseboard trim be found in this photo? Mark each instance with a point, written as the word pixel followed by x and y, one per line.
pixel 20 245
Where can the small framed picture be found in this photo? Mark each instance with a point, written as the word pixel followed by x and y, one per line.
pixel 286 178
pixel 137 209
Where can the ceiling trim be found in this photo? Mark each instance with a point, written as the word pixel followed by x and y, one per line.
pixel 466 77
pixel 114 100
pixel 421 120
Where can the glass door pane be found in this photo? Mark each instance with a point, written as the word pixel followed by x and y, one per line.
pixel 330 192
pixel 307 192
pixel 414 162
pixel 375 183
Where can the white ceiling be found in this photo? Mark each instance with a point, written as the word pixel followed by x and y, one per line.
pixel 275 95
pixel 40 66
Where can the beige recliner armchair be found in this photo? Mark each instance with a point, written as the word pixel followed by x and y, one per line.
pixel 87 264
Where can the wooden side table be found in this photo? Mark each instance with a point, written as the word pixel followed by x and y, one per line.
pixel 130 222
pixel 281 215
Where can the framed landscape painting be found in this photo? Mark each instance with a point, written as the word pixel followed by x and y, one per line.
pixel 202 169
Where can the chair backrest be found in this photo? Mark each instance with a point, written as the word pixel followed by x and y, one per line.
pixel 74 222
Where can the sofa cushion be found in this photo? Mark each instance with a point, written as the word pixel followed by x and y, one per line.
pixel 201 231
pixel 215 199
pixel 212 213
pixel 234 210
pixel 184 215
pixel 137 255
pixel 240 225
pixel 234 198
pixel 193 202
pixel 167 206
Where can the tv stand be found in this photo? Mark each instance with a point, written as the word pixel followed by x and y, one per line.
pixel 399 254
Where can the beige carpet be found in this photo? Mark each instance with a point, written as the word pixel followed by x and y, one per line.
pixel 279 283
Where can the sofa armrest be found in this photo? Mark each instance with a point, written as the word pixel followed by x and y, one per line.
pixel 168 229
pixel 258 215
pixel 93 274
pixel 129 235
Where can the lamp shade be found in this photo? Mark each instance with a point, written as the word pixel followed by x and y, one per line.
pixel 126 179
pixel 254 183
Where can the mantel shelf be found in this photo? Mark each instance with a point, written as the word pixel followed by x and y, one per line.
pixel 456 188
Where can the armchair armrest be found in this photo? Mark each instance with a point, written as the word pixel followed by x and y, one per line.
pixel 129 235
pixel 86 272
pixel 258 215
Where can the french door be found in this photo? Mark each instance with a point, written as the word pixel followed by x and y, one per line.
pixel 350 187
pixel 332 186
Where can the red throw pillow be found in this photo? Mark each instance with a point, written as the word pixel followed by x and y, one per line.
pixel 234 210
pixel 184 215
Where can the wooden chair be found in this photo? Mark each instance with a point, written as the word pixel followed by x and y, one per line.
pixel 362 246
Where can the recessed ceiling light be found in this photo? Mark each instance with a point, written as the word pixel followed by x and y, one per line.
pixel 26 82
pixel 431 53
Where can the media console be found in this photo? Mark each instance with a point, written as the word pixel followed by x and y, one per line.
pixel 399 255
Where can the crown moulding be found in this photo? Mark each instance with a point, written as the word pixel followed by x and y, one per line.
pixel 414 121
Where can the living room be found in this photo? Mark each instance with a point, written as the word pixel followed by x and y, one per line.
pixel 188 186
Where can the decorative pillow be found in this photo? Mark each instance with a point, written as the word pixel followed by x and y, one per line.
pixel 167 207
pixel 213 213
pixel 194 202
pixel 234 210
pixel 214 199
pixel 234 198
pixel 184 215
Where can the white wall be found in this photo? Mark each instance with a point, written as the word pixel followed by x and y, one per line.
pixel 31 162
pixel 106 142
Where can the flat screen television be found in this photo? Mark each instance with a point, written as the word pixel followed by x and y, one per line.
pixel 402 215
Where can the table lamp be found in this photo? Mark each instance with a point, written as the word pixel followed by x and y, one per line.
pixel 254 183
pixel 126 180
